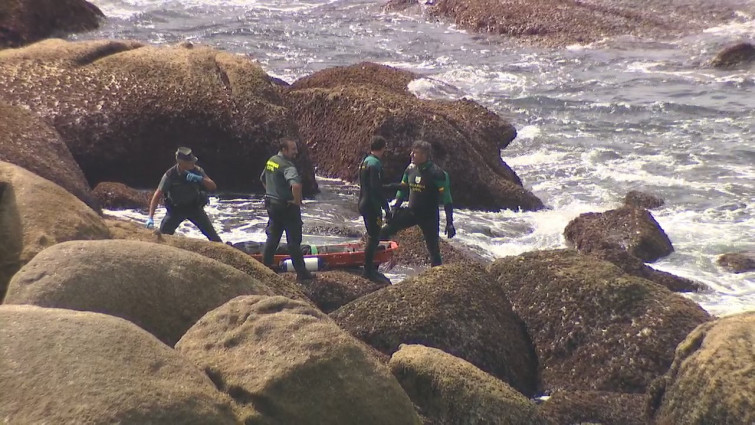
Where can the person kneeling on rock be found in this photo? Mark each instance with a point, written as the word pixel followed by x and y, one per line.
pixel 185 187
pixel 425 185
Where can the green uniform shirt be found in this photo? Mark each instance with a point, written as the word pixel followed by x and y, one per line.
pixel 427 186
pixel 279 175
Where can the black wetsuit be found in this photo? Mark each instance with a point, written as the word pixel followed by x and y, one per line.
pixel 427 186
pixel 185 200
pixel 371 201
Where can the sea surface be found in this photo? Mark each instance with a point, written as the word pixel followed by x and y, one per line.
pixel 594 121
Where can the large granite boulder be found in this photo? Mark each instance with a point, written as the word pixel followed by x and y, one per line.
pixel 559 23
pixel 449 390
pixel 338 111
pixel 223 253
pixel 31 144
pixel 288 361
pixel 26 21
pixel 712 379
pixel 118 196
pixel 335 288
pixel 738 262
pixel 638 199
pixel 741 54
pixel 636 267
pixel 456 308
pixel 413 250
pixel 35 213
pixel 123 108
pixel 68 367
pixel 593 326
pixel 161 289
pixel 632 229
pixel 595 407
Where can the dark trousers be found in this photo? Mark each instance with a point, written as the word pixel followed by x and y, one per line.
pixel 196 215
pixel 283 217
pixel 372 222
pixel 428 221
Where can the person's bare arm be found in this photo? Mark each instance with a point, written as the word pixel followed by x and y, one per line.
pixel 155 200
pixel 296 190
pixel 209 184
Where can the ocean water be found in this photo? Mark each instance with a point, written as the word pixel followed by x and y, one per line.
pixel 594 121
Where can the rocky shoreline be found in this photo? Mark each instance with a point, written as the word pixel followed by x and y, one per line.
pixel 103 321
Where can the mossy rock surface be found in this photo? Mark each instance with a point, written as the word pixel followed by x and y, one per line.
pixel 593 326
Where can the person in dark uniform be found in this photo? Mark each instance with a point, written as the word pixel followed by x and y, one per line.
pixel 185 187
pixel 283 200
pixel 425 185
pixel 372 201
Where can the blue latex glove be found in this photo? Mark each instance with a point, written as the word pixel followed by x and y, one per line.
pixel 193 177
pixel 150 223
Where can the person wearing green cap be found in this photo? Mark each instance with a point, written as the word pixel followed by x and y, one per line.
pixel 184 187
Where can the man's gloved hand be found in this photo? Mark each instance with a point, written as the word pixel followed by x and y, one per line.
pixel 150 223
pixel 194 177
pixel 450 230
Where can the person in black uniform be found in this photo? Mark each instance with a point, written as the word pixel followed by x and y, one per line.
pixel 425 185
pixel 283 200
pixel 185 187
pixel 371 201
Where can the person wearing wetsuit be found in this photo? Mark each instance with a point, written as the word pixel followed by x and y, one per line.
pixel 372 201
pixel 425 185
pixel 185 187
pixel 283 201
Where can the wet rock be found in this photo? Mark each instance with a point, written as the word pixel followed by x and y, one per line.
pixel 636 267
pixel 413 250
pixel 738 55
pixel 632 229
pixel 35 213
pixel 338 110
pixel 557 23
pixel 288 361
pixel 224 253
pixel 593 326
pixel 118 196
pixel 330 230
pixel 399 5
pixel 26 21
pixel 456 308
pixel 123 107
pixel 31 144
pixel 449 390
pixel 738 262
pixel 163 290
pixel 64 367
pixel 712 379
pixel 639 199
pixel 577 407
pixel 336 288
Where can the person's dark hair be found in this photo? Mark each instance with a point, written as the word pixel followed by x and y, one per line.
pixel 377 143
pixel 283 143
pixel 424 146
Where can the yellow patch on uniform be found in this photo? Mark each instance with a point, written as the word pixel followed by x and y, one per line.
pixel 272 166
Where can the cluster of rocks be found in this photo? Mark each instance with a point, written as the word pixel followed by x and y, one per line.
pixel 103 321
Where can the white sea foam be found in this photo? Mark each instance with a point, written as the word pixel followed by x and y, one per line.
pixel 127 9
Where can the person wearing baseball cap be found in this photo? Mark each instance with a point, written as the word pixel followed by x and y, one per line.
pixel 184 187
